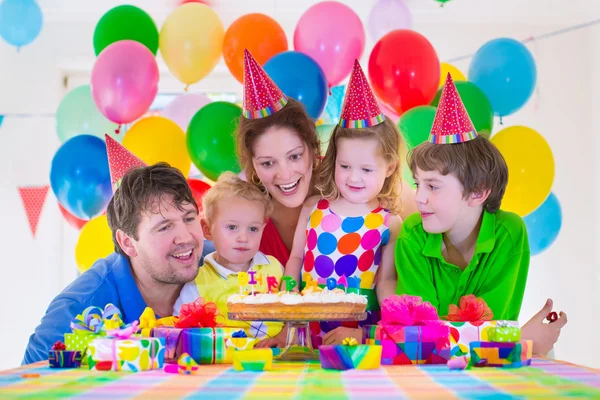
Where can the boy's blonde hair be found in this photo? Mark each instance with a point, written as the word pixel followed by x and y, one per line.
pixel 393 148
pixel 477 164
pixel 230 186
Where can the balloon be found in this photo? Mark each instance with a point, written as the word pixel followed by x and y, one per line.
pixel 505 70
pixel 407 176
pixel 415 125
pixel 389 113
pixel 543 225
pixel 125 23
pixel 155 139
pixel 80 178
pixel 530 168
pixel 301 78
pixel 191 41
pixel 124 81
pixel 94 242
pixel 324 132
pixel 71 219
pixel 199 188
pixel 477 104
pixel 333 35
pixel 183 108
pixel 446 69
pixel 210 139
pixel 77 114
pixel 261 35
pixel 20 21
pixel 404 70
pixel 386 16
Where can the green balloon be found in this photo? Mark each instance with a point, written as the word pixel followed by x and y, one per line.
pixel 324 132
pixel 408 176
pixel 125 23
pixel 415 125
pixel 477 104
pixel 210 139
pixel 77 114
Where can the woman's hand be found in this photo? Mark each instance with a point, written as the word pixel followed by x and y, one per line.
pixel 544 335
pixel 277 341
pixel 340 333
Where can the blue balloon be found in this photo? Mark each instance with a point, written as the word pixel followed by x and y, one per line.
pixel 505 70
pixel 300 78
pixel 20 21
pixel 80 177
pixel 544 224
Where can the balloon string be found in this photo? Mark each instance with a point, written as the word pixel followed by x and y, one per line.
pixel 118 130
pixel 186 87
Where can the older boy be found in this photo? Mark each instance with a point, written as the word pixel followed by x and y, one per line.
pixel 460 242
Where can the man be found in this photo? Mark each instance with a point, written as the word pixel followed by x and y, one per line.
pixel 158 248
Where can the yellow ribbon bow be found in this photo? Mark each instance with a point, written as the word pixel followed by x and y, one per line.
pixel 148 321
pixel 349 341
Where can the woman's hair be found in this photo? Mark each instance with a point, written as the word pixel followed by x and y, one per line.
pixel 393 149
pixel 293 116
pixel 229 186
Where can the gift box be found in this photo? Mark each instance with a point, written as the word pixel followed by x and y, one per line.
pixel 504 333
pixel 501 354
pixel 171 337
pixel 419 344
pixel 214 345
pixel 133 354
pixel 64 358
pixel 462 334
pixel 79 342
pixel 253 360
pixel 342 357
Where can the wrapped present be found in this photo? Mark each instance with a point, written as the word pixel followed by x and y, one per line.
pixel 92 323
pixel 133 354
pixel 60 357
pixel 253 360
pixel 214 345
pixel 501 354
pixel 148 322
pixel 350 355
pixel 185 366
pixel 409 332
pixel 171 338
pixel 471 321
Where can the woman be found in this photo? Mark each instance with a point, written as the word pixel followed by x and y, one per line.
pixel 279 152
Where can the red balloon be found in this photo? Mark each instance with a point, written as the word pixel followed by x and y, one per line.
pixel 71 219
pixel 199 188
pixel 404 70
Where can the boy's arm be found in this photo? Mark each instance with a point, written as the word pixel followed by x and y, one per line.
pixel 293 267
pixel 387 278
pixel 414 272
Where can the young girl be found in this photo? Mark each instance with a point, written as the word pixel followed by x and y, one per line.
pixel 345 233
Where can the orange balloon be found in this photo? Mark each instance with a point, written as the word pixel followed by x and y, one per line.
pixel 260 34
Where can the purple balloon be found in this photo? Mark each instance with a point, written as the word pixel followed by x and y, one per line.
pixel 386 16
pixel 332 34
pixel 183 108
pixel 124 81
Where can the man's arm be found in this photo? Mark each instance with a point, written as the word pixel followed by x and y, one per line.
pixel 52 328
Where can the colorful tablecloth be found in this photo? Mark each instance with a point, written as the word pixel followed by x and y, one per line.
pixel 544 379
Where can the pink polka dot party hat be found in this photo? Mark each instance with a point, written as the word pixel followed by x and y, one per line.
pixel 120 160
pixel 452 123
pixel 262 97
pixel 360 109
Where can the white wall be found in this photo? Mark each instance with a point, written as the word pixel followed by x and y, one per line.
pixel 35 270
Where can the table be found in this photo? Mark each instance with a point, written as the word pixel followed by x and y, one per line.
pixel 544 379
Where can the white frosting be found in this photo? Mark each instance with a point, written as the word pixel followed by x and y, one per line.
pixel 310 296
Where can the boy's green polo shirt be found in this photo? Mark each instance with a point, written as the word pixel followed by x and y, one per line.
pixel 497 272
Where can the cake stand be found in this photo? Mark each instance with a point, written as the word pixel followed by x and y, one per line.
pixel 298 345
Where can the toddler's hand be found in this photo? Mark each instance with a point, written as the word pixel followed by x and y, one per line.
pixel 544 335
pixel 340 333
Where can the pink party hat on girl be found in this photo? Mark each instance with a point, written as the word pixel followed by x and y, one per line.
pixel 262 97
pixel 360 109
pixel 120 160
pixel 452 123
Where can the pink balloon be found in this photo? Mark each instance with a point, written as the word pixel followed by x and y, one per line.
pixel 124 81
pixel 333 35
pixel 386 16
pixel 183 108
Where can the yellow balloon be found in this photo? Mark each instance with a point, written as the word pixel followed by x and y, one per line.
pixel 191 41
pixel 454 72
pixel 530 168
pixel 155 139
pixel 95 242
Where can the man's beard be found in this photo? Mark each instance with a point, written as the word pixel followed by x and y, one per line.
pixel 168 275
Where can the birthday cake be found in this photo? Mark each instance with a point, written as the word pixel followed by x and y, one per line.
pixel 311 304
